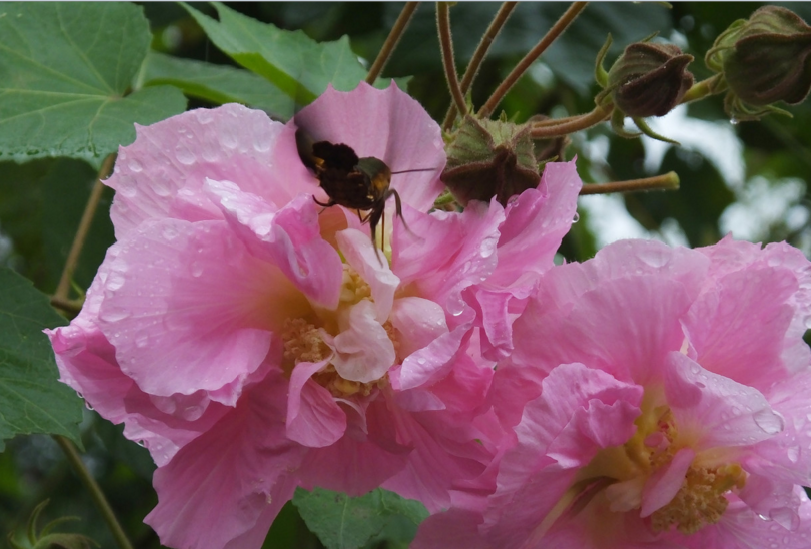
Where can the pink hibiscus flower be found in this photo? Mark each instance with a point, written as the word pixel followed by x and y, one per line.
pixel 660 398
pixel 254 341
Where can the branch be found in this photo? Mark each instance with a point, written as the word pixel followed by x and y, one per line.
pixel 95 491
pixel 443 25
pixel 391 41
pixel 557 29
pixel 63 288
pixel 665 182
pixel 479 55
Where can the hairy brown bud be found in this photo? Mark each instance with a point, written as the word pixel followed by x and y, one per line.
pixel 490 158
pixel 649 79
pixel 764 59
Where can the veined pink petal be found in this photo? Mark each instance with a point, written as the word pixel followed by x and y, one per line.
pixel 363 351
pixel 360 254
pixel 399 132
pixel 183 307
pixel 451 529
pixel 162 173
pixel 239 466
pixel 314 419
pixel 716 410
pixel 418 322
pixel 289 238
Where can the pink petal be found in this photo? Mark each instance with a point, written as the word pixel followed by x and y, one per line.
pixel 388 125
pixel 162 173
pixel 359 253
pixel 666 482
pixel 433 361
pixel 452 529
pixel 185 307
pixel 363 350
pixel 289 238
pixel 535 224
pixel 418 322
pixel 313 417
pixel 631 324
pixel 737 329
pixel 718 410
pixel 444 253
pixel 217 487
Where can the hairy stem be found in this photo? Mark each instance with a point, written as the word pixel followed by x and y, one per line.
pixel 709 86
pixel 478 56
pixel 72 306
pixel 664 182
pixel 95 491
pixel 443 25
pixel 391 41
pixel 63 288
pixel 557 29
pixel 543 130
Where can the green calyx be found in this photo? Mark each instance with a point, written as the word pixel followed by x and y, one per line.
pixel 764 59
pixel 490 158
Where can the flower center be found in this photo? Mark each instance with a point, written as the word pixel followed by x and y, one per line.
pixel 700 500
pixel 304 341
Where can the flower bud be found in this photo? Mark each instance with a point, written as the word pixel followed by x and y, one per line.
pixel 764 60
pixel 649 79
pixel 490 158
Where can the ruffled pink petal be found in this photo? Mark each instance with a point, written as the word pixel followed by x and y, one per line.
pixel 289 238
pixel 313 417
pixel 579 412
pixel 535 224
pixel 432 362
pixel 665 482
pixel 388 125
pixel 239 465
pixel 360 254
pixel 631 324
pixel 188 309
pixel 493 310
pixel 418 322
pixel 363 350
pixel 358 462
pixel 718 410
pixel 162 173
pixel 445 252
pixel 466 385
pixel 737 329
pixel 451 529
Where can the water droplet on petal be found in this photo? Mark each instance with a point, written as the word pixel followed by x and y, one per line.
pixel 769 421
pixel 184 155
pixel 196 269
pixel 134 165
pixel 576 217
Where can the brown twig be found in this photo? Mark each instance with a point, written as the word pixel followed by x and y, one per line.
pixel 443 25
pixel 391 41
pixel 557 29
pixel 478 56
pixel 543 130
pixel 63 288
pixel 664 182
pixel 95 491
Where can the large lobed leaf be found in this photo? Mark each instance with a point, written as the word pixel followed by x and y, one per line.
pixel 31 398
pixel 342 522
pixel 300 67
pixel 65 69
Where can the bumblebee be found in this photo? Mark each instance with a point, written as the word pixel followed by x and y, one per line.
pixel 362 184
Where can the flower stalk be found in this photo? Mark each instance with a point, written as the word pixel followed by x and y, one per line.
pixel 664 182
pixel 557 29
pixel 391 41
pixel 63 288
pixel 478 56
pixel 544 130
pixel 95 491
pixel 443 25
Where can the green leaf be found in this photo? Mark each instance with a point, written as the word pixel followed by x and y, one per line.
pixel 31 398
pixel 216 83
pixel 65 69
pixel 296 64
pixel 341 522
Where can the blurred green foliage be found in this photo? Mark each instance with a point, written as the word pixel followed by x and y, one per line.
pixel 764 168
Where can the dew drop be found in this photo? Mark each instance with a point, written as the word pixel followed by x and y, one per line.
pixel 115 315
pixel 134 165
pixel 576 217
pixel 184 155
pixel 126 186
pixel 169 233
pixel 769 421
pixel 794 454
pixel 196 269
